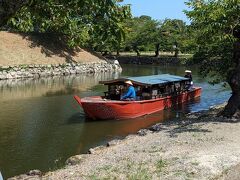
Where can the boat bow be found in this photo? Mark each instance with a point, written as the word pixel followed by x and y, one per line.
pixel 78 99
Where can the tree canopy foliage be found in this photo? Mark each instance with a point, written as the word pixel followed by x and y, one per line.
pixel 214 23
pixel 147 34
pixel 141 32
pixel 78 20
pixel 217 23
pixel 8 8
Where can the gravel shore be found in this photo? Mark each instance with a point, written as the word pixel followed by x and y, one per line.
pixel 199 146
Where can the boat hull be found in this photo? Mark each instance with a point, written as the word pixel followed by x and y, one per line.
pixel 98 108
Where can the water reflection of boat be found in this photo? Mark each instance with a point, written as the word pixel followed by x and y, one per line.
pixel 133 125
pixel 164 91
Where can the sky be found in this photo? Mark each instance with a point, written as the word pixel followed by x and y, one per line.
pixel 159 9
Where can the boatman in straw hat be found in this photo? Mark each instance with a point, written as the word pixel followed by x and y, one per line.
pixel 189 75
pixel 130 95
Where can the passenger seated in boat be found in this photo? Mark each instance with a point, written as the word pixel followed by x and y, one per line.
pixel 162 91
pixel 130 95
pixel 146 93
pixel 188 74
pixel 168 90
pixel 114 92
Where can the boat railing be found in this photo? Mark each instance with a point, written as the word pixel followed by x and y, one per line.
pixel 148 92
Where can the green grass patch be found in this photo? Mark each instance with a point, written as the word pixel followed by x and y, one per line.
pixel 160 165
pixel 140 174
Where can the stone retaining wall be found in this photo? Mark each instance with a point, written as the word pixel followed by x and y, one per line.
pixel 36 71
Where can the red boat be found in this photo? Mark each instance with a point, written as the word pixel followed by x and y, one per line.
pixel 154 93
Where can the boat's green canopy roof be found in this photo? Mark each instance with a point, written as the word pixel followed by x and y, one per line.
pixel 148 80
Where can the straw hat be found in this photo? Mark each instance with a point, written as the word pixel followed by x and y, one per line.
pixel 129 82
pixel 188 71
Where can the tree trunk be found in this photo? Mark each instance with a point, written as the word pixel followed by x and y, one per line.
pixel 157 50
pixel 234 81
pixel 176 52
pixel 118 48
pixel 232 106
pixel 105 53
pixel 8 8
pixel 137 51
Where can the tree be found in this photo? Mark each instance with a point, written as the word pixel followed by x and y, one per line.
pixel 158 38
pixel 77 20
pixel 8 8
pixel 146 33
pixel 175 31
pixel 141 33
pixel 112 40
pixel 218 39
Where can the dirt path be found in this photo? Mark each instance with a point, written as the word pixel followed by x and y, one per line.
pixel 200 146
